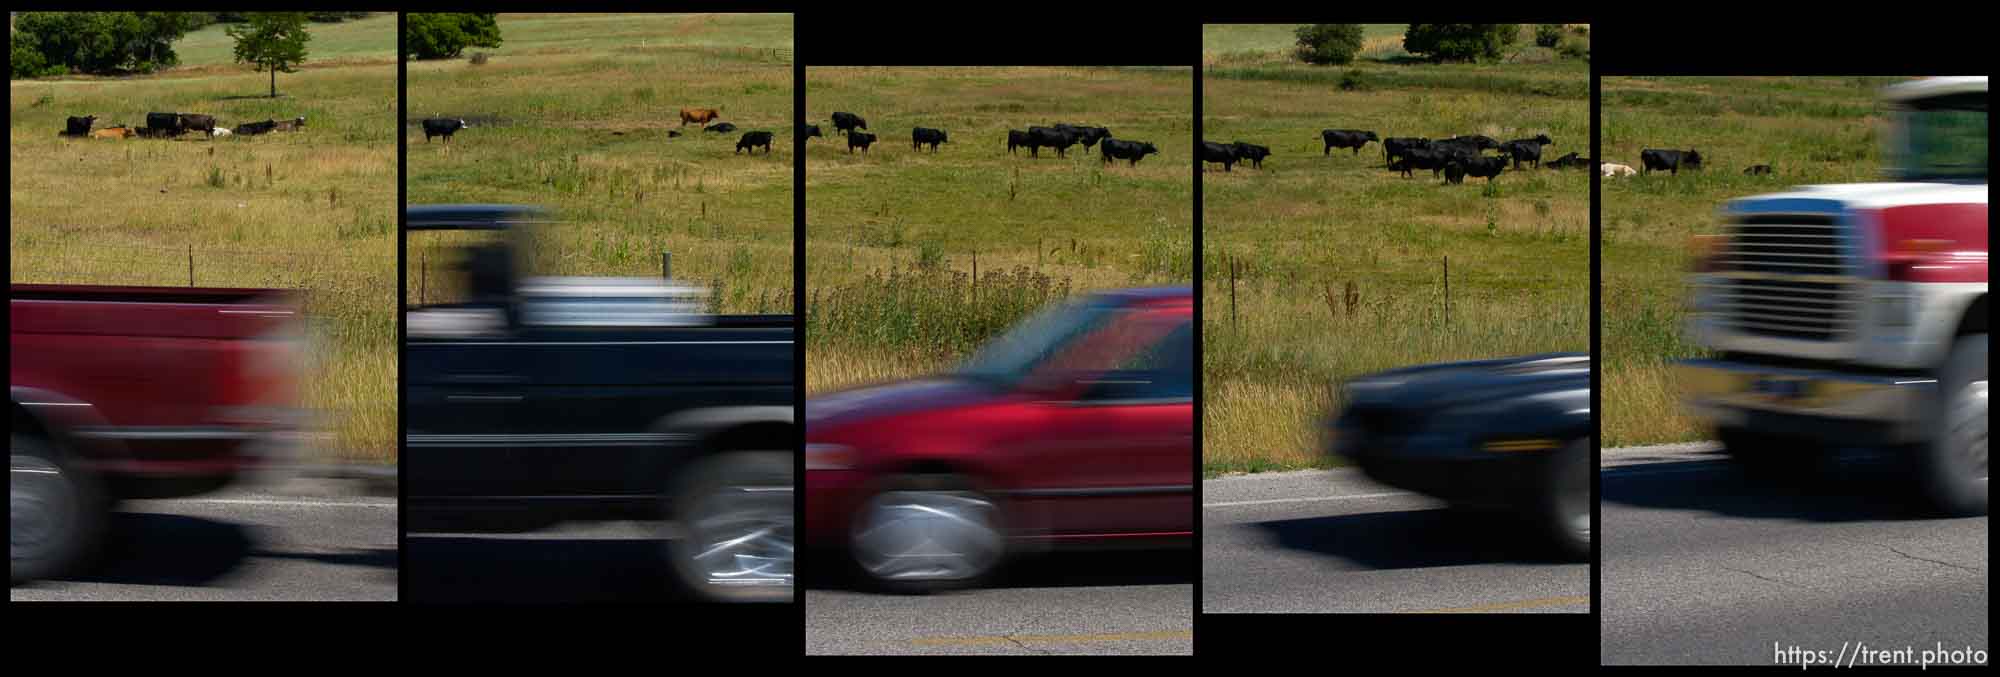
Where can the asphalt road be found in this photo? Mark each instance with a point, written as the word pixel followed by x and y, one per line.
pixel 1332 541
pixel 1115 603
pixel 571 563
pixel 245 544
pixel 1702 565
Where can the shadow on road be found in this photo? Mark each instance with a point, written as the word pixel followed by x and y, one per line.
pixel 179 550
pixel 462 569
pixel 1856 487
pixel 1169 566
pixel 1415 539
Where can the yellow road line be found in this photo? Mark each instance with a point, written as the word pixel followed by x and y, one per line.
pixel 1056 639
pixel 1512 606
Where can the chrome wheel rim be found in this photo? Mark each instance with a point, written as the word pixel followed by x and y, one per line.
pixel 1574 502
pixel 1968 427
pixel 927 536
pixel 740 537
pixel 41 506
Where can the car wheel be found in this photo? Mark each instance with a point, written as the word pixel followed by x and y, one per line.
pixel 733 541
pixel 1564 514
pixel 56 513
pixel 925 533
pixel 1952 467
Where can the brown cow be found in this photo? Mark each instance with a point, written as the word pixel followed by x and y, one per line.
pixel 114 133
pixel 699 115
pixel 292 125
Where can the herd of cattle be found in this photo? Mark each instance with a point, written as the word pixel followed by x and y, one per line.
pixel 750 141
pixel 167 125
pixel 1059 136
pixel 1461 156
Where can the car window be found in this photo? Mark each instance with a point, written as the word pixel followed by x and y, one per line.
pixel 1163 370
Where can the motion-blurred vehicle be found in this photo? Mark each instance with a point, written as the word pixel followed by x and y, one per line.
pixel 138 392
pixel 532 401
pixel 1513 433
pixel 1855 315
pixel 1075 428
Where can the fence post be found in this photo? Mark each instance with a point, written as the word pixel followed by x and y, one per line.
pixel 667 265
pixel 1232 293
pixel 1447 291
pixel 190 265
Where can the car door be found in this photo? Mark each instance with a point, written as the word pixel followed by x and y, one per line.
pixel 1118 455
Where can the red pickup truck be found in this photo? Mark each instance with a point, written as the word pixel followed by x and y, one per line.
pixel 136 392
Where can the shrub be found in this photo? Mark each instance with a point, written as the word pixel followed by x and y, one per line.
pixel 479 58
pixel 1351 80
pixel 1459 42
pixel 446 35
pixel 1548 35
pixel 1575 48
pixel 1329 43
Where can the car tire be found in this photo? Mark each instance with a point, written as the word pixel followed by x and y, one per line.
pixel 56 511
pixel 734 527
pixel 1951 467
pixel 1768 458
pixel 1564 512
pixel 918 534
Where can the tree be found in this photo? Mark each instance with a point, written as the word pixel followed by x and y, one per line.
pixel 273 41
pixel 98 42
pixel 1460 42
pixel 1329 43
pixel 1548 35
pixel 445 36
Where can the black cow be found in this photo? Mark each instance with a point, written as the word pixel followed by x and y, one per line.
pixel 292 125
pixel 1758 170
pixel 1120 149
pixel 720 128
pixel 1218 153
pixel 1345 138
pixel 1088 136
pixel 1433 159
pixel 1524 149
pixel 1477 141
pixel 1395 146
pixel 1250 151
pixel 847 122
pixel 810 131
pixel 1454 172
pixel 1487 167
pixel 751 140
pixel 1465 148
pixel 923 135
pixel 1050 137
pixel 79 126
pixel 1670 160
pixel 444 127
pixel 255 128
pixel 196 121
pixel 164 124
pixel 860 140
pixel 1017 139
pixel 1568 161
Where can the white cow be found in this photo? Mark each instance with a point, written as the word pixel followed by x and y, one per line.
pixel 219 132
pixel 1612 169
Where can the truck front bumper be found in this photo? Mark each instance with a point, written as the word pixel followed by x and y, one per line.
pixel 1820 404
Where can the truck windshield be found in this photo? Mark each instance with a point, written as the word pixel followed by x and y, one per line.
pixel 1008 359
pixel 1942 139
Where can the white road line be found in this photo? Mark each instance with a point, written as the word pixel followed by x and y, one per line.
pixel 1270 501
pixel 314 504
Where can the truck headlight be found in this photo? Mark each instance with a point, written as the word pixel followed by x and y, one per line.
pixel 829 457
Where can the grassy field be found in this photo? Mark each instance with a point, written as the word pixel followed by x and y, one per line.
pixel 1810 130
pixel 573 112
pixel 893 236
pixel 314 210
pixel 371 39
pixel 1340 264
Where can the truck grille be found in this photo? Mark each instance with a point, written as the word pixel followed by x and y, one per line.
pixel 1789 276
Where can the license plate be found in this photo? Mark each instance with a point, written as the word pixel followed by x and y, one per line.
pixel 1780 387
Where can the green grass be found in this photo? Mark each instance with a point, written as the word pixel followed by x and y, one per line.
pixel 1038 228
pixel 1339 263
pixel 314 210
pixel 369 39
pixel 1810 130
pixel 572 113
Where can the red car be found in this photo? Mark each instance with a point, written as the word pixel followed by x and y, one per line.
pixel 1074 428
pixel 137 392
